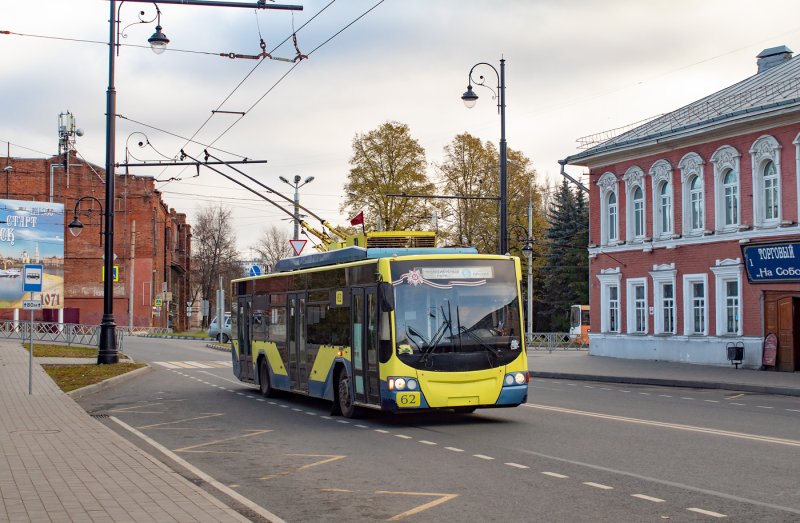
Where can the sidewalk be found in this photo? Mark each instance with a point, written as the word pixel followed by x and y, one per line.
pixel 57 463
pixel 580 365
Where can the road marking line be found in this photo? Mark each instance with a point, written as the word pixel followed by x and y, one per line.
pixel 712 401
pixel 426 442
pixel 481 456
pixel 644 393
pixel 598 485
pixel 648 498
pixel 734 396
pixel 382 431
pixel 166 364
pixel 155 425
pixel 588 386
pixel 684 398
pixel 311 413
pixel 664 396
pixel 241 436
pixel 443 498
pixel 624 391
pixel 283 406
pixel 517 465
pixel 266 514
pixel 297 410
pixel 260 399
pixel 343 421
pixel 690 428
pixel 331 457
pixel 359 426
pixel 454 449
pixel 605 388
pixel 707 512
pixel 199 365
pixel 323 417
pixel 793 410
pixel 555 475
pixel 763 407
pixel 740 404
pixel 403 436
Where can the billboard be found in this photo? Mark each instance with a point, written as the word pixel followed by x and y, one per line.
pixel 772 262
pixel 31 233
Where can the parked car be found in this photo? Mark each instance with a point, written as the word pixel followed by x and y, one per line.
pixel 222 335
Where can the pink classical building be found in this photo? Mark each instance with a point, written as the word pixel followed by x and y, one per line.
pixel 694 242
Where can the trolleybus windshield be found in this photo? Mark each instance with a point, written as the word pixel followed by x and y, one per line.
pixel 456 315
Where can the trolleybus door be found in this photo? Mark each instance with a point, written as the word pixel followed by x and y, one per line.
pixel 365 345
pixel 296 341
pixel 244 323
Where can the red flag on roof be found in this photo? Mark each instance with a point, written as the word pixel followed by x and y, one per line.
pixel 358 219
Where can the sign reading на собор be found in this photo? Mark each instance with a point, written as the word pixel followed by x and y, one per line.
pixel 772 262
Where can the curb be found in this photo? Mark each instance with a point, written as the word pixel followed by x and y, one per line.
pixel 662 382
pixel 94 387
pixel 219 347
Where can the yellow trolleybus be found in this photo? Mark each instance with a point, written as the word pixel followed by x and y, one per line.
pixel 385 328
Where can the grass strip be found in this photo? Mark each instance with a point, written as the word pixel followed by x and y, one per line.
pixel 71 377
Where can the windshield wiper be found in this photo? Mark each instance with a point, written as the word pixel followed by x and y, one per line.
pixel 437 337
pixel 491 350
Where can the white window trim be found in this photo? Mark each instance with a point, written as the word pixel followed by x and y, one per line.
pixel 607 184
pixel 630 310
pixel 661 173
pixel 726 158
pixel 609 278
pixel 634 177
pixel 688 308
pixel 763 150
pixel 727 270
pixel 663 274
pixel 692 165
pixel 796 143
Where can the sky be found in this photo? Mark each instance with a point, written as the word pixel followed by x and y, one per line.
pixel 573 68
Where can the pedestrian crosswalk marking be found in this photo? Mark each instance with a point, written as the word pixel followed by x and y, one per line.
pixel 194 364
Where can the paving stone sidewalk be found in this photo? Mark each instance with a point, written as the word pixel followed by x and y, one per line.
pixel 57 463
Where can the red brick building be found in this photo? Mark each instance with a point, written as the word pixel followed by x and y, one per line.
pixel 152 243
pixel 694 235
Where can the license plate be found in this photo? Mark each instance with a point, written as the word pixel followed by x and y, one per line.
pixel 408 399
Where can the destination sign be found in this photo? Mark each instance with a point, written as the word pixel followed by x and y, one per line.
pixel 452 273
pixel 772 262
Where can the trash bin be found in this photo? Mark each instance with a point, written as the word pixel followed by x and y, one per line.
pixel 735 353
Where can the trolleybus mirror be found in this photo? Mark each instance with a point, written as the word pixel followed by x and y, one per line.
pixel 386 296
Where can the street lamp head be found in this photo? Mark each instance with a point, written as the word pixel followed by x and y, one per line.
pixel 469 97
pixel 158 42
pixel 75 227
pixel 284 180
pixel 309 179
pixel 527 250
pixel 297 178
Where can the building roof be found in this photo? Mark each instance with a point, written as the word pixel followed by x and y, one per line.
pixel 774 89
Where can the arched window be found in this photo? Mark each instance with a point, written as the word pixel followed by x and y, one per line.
pixel 766 161
pixel 665 209
pixel 638 212
pixel 661 176
pixel 611 217
pixel 771 192
pixel 609 210
pixel 693 191
pixel 696 222
pixel 730 198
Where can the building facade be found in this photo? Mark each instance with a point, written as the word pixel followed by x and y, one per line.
pixel 152 243
pixel 677 203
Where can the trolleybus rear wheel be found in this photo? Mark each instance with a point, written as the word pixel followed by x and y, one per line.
pixel 263 380
pixel 345 398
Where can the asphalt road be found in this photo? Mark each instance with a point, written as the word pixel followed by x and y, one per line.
pixel 577 451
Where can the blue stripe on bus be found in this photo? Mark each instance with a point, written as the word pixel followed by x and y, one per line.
pixel 513 395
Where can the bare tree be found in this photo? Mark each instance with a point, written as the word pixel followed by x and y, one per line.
pixel 214 251
pixel 272 246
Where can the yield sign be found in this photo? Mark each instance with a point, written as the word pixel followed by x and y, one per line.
pixel 297 246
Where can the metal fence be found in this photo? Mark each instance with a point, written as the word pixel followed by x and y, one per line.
pixel 550 341
pixel 71 333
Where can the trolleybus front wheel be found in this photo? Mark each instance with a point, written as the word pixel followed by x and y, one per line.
pixel 344 398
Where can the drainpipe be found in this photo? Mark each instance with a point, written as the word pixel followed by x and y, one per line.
pixel 131 272
pixel 570 178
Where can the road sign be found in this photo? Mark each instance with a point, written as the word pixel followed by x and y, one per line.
pixel 297 246
pixel 255 270
pixel 115 272
pixel 32 276
pixel 31 305
pixel 158 302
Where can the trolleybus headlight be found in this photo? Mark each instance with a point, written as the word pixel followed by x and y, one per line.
pixel 509 379
pixel 519 378
pixel 411 384
pixel 399 383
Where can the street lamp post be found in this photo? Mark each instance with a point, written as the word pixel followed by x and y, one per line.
pixel 107 352
pixel 297 186
pixel 470 99
pixel 527 250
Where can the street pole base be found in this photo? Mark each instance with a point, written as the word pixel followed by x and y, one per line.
pixel 107 353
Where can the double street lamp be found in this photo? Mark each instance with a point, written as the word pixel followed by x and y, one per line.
pixel 158 41
pixel 296 186
pixel 470 99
